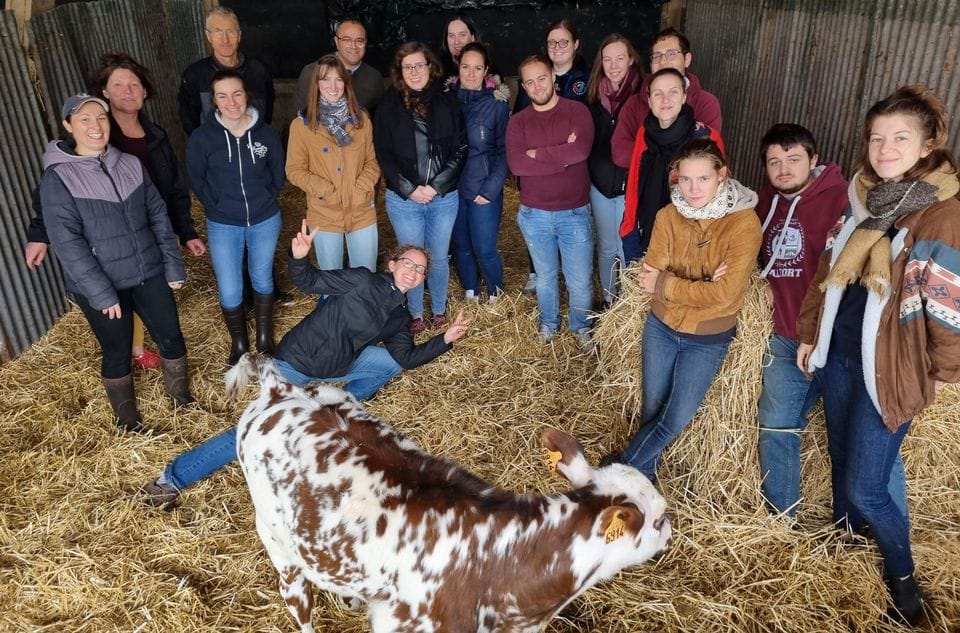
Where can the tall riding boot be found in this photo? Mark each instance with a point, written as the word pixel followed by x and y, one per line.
pixel 176 380
pixel 263 308
pixel 124 402
pixel 236 320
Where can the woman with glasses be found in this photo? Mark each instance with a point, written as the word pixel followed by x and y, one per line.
pixel 359 336
pixel 572 72
pixel 615 77
pixel 330 157
pixel 421 147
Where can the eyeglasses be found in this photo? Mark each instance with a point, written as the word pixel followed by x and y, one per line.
pixel 347 41
pixel 422 66
pixel 558 43
pixel 409 264
pixel 667 55
pixel 231 33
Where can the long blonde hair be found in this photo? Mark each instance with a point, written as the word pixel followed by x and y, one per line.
pixel 312 107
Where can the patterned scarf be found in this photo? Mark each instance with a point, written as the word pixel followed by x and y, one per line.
pixel 334 117
pixel 731 197
pixel 611 99
pixel 867 253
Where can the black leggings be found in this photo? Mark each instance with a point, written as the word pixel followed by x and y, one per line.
pixel 153 301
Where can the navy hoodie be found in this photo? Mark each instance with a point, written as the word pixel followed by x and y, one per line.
pixel 236 179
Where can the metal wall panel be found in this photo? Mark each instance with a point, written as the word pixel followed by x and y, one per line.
pixel 820 63
pixel 30 301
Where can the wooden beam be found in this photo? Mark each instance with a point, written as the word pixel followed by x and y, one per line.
pixel 673 14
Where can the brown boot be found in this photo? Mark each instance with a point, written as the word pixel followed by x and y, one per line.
pixel 263 308
pixel 124 402
pixel 176 381
pixel 236 320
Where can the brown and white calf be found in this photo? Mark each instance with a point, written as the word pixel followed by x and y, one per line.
pixel 347 504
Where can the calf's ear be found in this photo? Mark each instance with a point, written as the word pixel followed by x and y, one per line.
pixel 564 455
pixel 619 521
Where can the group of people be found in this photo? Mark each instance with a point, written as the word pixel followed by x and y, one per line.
pixel 862 276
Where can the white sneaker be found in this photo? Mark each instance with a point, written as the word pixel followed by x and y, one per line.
pixel 470 295
pixel 493 298
pixel 530 288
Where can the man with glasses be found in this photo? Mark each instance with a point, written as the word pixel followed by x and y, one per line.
pixel 359 337
pixel 670 50
pixel 351 43
pixel 223 32
pixel 547 149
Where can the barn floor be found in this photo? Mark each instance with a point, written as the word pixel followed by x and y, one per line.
pixel 79 551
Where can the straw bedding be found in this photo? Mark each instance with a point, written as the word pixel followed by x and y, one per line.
pixel 80 552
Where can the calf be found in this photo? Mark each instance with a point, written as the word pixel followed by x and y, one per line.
pixel 346 503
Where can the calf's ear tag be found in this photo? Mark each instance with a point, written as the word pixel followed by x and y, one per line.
pixel 552 458
pixel 615 530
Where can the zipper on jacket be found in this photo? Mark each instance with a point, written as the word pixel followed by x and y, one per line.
pixel 243 190
pixel 103 166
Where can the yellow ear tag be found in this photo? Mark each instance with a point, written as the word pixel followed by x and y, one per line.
pixel 552 458
pixel 614 530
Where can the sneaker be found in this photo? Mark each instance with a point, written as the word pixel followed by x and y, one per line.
pixel 585 339
pixel 530 288
pixel 493 298
pixel 417 325
pixel 283 298
pixel 470 295
pixel 160 494
pixel 438 320
pixel 147 359
pixel 546 335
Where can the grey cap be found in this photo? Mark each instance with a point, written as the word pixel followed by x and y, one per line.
pixel 72 104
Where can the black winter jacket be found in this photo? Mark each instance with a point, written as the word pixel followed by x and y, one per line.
pixel 162 165
pixel 195 99
pixel 607 177
pixel 362 308
pixel 107 223
pixel 394 138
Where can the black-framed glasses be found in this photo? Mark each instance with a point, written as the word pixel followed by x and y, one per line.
pixel 667 55
pixel 359 41
pixel 558 43
pixel 409 264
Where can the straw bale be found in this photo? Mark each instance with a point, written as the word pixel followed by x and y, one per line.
pixel 79 551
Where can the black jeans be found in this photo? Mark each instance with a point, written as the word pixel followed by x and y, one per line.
pixel 153 301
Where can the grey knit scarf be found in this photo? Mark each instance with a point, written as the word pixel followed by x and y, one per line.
pixel 334 117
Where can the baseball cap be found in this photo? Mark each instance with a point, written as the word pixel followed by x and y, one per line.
pixel 72 104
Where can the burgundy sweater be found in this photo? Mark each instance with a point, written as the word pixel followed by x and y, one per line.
pixel 557 179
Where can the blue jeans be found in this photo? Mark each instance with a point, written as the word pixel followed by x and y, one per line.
pixel 607 216
pixel 227 243
pixel 475 240
pixel 426 226
pixel 368 373
pixel 361 248
pixel 867 471
pixel 558 239
pixel 677 371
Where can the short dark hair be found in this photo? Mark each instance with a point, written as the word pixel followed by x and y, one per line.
pixel 477 47
pixel 664 72
pixel 110 62
pixel 227 73
pixel 672 32
pixel 786 135
pixel 533 59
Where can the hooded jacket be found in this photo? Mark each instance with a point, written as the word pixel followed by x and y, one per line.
pixel 339 180
pixel 706 109
pixel 362 308
pixel 485 113
pixel 399 154
pixel 911 334
pixel 236 179
pixel 107 223
pixel 812 213
pixel 687 252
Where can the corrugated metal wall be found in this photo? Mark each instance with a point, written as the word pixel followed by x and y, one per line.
pixel 820 63
pixel 65 47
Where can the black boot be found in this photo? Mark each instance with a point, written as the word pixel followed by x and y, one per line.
pixel 263 308
pixel 176 380
pixel 908 600
pixel 236 321
pixel 124 402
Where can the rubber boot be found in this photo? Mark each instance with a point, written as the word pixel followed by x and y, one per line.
pixel 263 308
pixel 236 320
pixel 176 380
pixel 124 402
